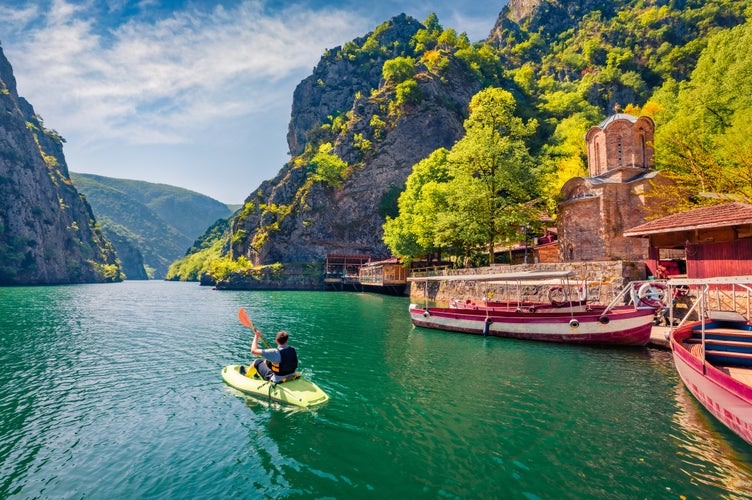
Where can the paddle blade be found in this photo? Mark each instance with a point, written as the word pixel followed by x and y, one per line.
pixel 243 317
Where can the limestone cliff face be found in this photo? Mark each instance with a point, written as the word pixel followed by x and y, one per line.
pixel 340 75
pixel 48 234
pixel 549 16
pixel 292 219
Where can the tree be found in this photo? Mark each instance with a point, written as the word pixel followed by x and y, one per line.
pixel 565 155
pixel 493 156
pixel 704 142
pixel 329 168
pixel 412 232
pixel 398 70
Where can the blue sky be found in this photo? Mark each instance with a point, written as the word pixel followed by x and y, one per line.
pixel 195 94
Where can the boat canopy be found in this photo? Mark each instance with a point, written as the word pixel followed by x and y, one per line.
pixel 499 277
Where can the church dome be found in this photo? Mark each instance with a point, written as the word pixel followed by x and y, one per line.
pixel 615 117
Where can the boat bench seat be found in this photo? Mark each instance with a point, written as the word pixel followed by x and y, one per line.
pixel 723 332
pixel 729 354
pixel 728 357
pixel 717 315
pixel 729 343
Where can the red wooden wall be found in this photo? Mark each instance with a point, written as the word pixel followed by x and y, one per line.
pixel 720 259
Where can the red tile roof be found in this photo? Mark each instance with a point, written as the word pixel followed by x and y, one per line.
pixel 730 214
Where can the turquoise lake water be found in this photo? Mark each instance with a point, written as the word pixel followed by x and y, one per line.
pixel 114 391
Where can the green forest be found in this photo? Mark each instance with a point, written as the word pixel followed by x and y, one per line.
pixel 542 83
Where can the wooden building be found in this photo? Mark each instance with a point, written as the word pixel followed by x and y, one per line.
pixel 356 272
pixel 386 276
pixel 712 241
pixel 546 248
pixel 341 270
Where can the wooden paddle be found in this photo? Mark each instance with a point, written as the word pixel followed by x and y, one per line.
pixel 243 317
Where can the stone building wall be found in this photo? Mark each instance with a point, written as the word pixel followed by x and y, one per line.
pixel 595 211
pixel 620 141
pixel 581 231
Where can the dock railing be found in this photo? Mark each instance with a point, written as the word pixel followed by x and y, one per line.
pixel 424 272
pixel 722 298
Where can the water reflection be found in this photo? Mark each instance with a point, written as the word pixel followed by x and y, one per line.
pixel 713 455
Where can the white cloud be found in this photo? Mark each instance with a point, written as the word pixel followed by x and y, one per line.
pixel 163 80
pixel 18 17
pixel 192 98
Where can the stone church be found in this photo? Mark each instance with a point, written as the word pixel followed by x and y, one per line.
pixel 595 211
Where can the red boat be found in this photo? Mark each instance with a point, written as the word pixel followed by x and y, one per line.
pixel 622 325
pixel 713 356
pixel 570 323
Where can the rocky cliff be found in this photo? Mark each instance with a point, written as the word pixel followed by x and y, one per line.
pixel 379 104
pixel 48 234
pixel 296 218
pixel 551 16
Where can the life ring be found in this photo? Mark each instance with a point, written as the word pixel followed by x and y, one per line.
pixel 555 293
pixel 652 295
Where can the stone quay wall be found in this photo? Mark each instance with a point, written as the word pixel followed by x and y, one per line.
pixel 605 279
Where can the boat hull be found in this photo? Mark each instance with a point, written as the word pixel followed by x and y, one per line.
pixel 620 326
pixel 727 398
pixel 298 392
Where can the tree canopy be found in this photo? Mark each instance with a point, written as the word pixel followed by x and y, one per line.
pixel 704 141
pixel 477 194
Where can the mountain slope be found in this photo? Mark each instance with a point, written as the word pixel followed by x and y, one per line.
pixel 376 106
pixel 48 234
pixel 382 129
pixel 151 225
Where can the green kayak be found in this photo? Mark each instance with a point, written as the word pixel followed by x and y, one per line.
pixel 299 392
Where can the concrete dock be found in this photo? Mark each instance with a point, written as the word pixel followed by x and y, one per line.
pixel 658 337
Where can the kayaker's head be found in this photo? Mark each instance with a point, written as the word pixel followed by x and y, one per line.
pixel 282 338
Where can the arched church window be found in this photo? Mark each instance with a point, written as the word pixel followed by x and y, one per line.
pixel 643 152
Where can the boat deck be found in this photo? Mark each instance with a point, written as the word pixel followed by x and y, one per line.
pixel 740 373
pixel 743 375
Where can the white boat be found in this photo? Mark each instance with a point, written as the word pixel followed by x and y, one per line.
pixel 603 325
pixel 713 355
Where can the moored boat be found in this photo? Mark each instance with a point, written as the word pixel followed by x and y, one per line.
pixel 570 321
pixel 617 326
pixel 298 392
pixel 713 356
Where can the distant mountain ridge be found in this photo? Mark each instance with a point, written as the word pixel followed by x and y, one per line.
pixel 150 225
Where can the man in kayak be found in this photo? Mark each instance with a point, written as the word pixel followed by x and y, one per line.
pixel 277 364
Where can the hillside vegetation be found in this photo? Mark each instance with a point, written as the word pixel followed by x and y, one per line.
pixel 452 146
pixel 150 225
